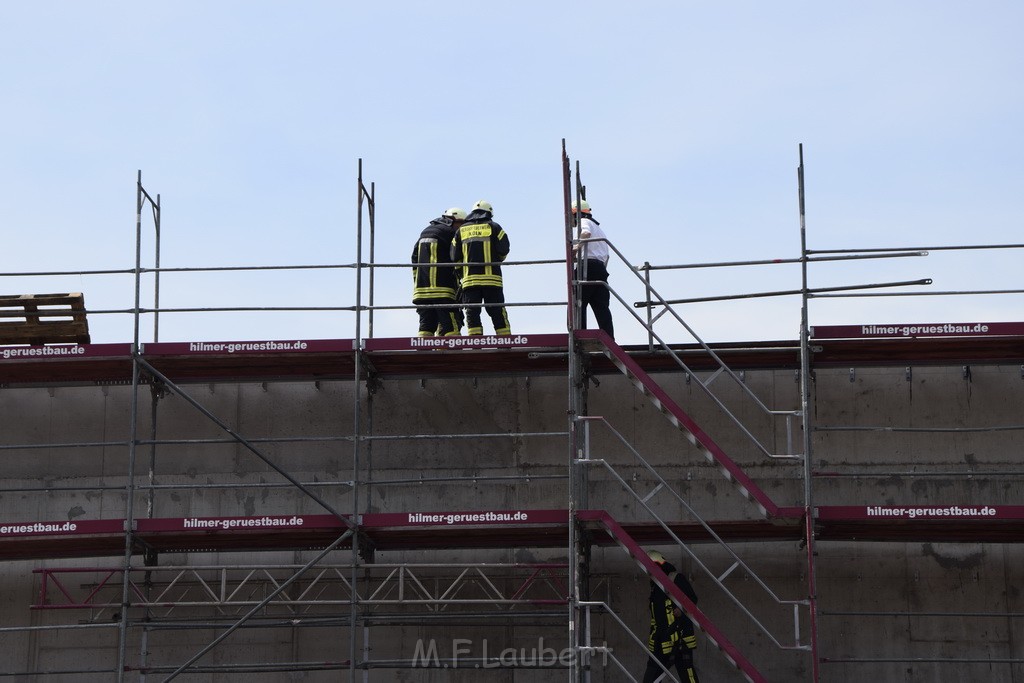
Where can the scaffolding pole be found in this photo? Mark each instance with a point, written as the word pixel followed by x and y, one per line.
pixel 805 408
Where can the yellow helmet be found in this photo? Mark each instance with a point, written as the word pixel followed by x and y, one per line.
pixel 456 213
pixel 584 206
pixel 483 205
pixel 656 557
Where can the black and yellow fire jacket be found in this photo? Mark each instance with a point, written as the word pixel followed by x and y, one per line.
pixel 667 629
pixel 480 240
pixel 433 247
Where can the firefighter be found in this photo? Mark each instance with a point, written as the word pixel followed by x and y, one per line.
pixel 435 285
pixel 672 639
pixel 482 241
pixel 595 256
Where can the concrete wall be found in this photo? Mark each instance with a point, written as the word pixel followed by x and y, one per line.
pixel 219 478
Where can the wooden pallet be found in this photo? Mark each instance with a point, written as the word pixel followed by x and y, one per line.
pixel 43 319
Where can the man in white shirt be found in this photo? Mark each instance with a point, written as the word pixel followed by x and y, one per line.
pixel 595 256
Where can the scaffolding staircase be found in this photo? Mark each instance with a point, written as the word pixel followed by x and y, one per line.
pixel 598 341
pixel 639 555
pixel 599 520
pixel 711 451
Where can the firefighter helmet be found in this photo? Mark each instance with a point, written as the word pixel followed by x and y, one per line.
pixel 483 205
pixel 584 206
pixel 656 557
pixel 456 213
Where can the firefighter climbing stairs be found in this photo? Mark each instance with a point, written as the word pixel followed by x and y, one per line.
pixel 732 654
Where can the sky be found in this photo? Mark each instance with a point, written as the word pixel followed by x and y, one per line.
pixel 250 120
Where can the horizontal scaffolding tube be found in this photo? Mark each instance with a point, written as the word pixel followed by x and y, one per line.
pixel 285 309
pixel 960 293
pixel 925 615
pixel 785 292
pixel 891 249
pixel 778 261
pixel 334 621
pixel 917 660
pixel 972 474
pixel 925 430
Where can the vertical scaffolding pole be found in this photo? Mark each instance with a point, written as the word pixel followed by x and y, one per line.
pixel 370 380
pixel 579 560
pixel 373 240
pixel 356 418
pixel 805 395
pixel 583 472
pixel 156 265
pixel 154 390
pixel 122 631
pixel 370 213
pixel 154 397
pixel 650 310
pixel 573 621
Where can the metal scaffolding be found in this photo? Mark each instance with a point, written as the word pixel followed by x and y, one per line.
pixel 140 601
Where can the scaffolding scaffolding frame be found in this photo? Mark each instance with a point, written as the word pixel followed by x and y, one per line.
pixel 578 589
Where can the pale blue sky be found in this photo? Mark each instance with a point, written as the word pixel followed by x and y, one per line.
pixel 249 117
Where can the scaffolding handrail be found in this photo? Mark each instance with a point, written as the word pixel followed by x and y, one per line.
pixel 298 266
pixel 774 262
pixel 961 247
pixel 605 608
pixel 723 367
pixel 664 485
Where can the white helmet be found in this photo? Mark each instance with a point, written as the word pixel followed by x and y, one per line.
pixel 656 557
pixel 585 207
pixel 483 205
pixel 456 213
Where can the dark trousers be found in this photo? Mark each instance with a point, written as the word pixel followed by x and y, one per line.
pixel 494 296
pixel 597 297
pixel 439 321
pixel 681 658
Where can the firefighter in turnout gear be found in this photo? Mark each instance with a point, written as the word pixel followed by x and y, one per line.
pixel 434 287
pixel 478 242
pixel 672 639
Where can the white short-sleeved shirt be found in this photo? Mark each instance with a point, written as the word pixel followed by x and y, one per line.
pixel 594 250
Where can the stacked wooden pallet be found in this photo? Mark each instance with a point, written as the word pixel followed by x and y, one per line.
pixel 43 319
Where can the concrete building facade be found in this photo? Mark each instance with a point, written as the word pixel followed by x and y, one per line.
pixel 906 436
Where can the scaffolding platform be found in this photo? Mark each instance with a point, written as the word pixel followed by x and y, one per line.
pixel 412 357
pixel 38 319
pixel 495 529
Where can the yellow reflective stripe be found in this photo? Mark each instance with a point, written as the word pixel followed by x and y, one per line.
pixel 433 259
pixel 433 293
pixel 481 281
